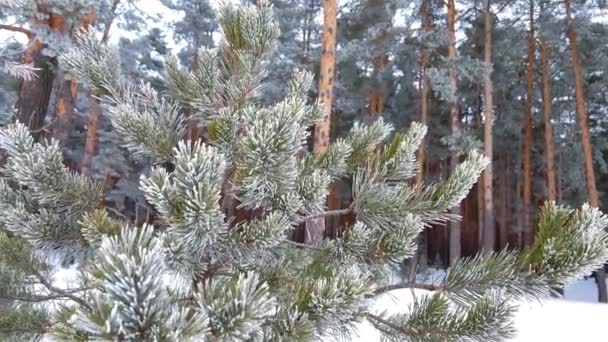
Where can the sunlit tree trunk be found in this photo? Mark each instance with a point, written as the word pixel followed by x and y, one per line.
pixel 66 95
pixel 315 228
pixel 489 235
pixel 583 121
pixel 95 110
pixel 547 113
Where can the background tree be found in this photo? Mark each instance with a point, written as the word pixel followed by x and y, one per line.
pixel 454 119
pixel 315 227
pixel 583 121
pixel 489 231
pixel 528 139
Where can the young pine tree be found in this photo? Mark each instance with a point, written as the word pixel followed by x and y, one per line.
pixel 195 273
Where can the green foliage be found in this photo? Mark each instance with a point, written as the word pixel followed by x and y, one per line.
pixel 237 308
pixel 48 198
pixel 432 319
pixel 27 323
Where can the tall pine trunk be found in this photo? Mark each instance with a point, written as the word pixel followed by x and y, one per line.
pixel 454 117
pixel 90 146
pixel 91 139
pixel 376 98
pixel 504 190
pixel 64 108
pixel 33 95
pixel 547 113
pixel 66 95
pixel 424 87
pixel 489 230
pixel 315 228
pixel 528 233
pixel 421 256
pixel 583 121
pixel 193 128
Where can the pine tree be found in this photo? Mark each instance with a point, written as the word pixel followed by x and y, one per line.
pixel 195 273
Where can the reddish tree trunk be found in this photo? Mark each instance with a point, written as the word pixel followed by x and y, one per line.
pixel 64 109
pixel 66 95
pixel 314 228
pixel 547 112
pixel 527 152
pixel 583 121
pixel 91 140
pixel 489 230
pixel 376 98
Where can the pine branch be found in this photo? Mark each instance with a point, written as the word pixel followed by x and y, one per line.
pixel 381 320
pixel 422 286
pixel 39 298
pixel 336 212
pixel 64 293
pixel 19 29
pixel 301 245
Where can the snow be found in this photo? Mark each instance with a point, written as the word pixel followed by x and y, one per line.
pixel 577 317
pixel 561 320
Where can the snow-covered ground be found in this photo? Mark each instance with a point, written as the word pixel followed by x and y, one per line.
pixel 577 317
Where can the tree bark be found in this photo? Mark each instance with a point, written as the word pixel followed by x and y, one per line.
pixel 193 129
pixel 33 95
pixel 86 166
pixel 527 150
pixel 91 141
pixel 422 250
pixel 547 112
pixel 503 231
pixel 583 121
pixel 424 88
pixel 454 118
pixel 376 98
pixel 314 228
pixel 66 95
pixel 489 236
pixel 64 109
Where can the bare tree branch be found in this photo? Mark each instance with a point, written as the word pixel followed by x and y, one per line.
pixel 17 29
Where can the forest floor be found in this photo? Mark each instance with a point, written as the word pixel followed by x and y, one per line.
pixel 576 317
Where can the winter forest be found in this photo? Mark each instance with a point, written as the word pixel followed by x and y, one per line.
pixel 302 170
